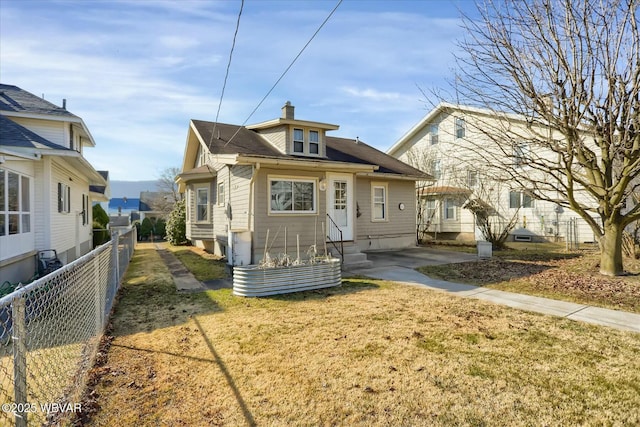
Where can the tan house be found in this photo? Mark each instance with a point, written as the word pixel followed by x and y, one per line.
pixel 287 180
pixel 454 144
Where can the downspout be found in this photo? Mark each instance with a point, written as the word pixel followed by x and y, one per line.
pixel 254 173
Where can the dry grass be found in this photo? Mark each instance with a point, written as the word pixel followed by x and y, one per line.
pixel 367 353
pixel 204 265
pixel 549 273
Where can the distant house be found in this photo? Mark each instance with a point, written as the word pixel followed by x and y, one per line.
pixel 123 206
pixel 445 144
pixel 288 177
pixel 47 187
pixel 151 203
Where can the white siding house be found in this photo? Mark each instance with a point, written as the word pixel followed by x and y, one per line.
pixel 453 143
pixel 46 186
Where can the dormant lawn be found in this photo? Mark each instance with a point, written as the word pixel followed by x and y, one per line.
pixel 366 353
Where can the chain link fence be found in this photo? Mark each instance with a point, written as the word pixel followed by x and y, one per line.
pixel 50 330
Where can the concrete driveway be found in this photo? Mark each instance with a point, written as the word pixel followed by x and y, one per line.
pixel 417 257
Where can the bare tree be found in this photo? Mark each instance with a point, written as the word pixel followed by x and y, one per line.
pixel 169 194
pixel 571 68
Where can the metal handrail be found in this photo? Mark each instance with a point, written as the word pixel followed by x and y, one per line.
pixel 333 232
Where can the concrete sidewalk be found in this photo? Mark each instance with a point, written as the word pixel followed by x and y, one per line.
pixel 600 316
pixel 183 279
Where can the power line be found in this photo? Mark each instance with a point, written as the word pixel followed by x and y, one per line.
pixel 284 72
pixel 226 76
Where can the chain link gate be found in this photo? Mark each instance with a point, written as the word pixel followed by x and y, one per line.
pixel 50 331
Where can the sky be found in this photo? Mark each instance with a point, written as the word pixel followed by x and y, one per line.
pixel 136 71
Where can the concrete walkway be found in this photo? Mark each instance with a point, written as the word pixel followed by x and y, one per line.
pixel 399 267
pixel 183 279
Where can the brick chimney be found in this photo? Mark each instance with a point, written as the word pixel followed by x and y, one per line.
pixel 287 111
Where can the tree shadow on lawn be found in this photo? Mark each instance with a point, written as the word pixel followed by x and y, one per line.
pixel 349 285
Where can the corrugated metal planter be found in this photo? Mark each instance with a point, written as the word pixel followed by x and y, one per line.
pixel 254 281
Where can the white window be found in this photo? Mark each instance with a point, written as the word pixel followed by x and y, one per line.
pixel 460 127
pixel 518 199
pixel 292 195
pixel 436 169
pixel 202 204
pixel 314 142
pixel 64 198
pixel 221 194
pixel 472 178
pixel 520 154
pixel 429 209
pixel 85 209
pixel 379 202
pixel 450 208
pixel 15 209
pixel 298 141
pixel 433 134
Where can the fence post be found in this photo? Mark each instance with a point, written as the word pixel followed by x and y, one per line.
pixel 18 314
pixel 115 237
pixel 99 297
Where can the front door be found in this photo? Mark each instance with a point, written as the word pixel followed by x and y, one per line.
pixel 340 204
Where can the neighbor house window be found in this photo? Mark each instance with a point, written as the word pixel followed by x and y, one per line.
pixel 298 141
pixel 433 134
pixel 292 195
pixel 314 142
pixel 64 198
pixel 429 210
pixel 85 209
pixel 518 199
pixel 520 154
pixel 379 202
pixel 221 194
pixel 472 178
pixel 436 169
pixel 450 206
pixel 460 127
pixel 202 204
pixel 15 206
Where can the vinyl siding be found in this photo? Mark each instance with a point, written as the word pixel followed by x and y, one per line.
pixel 307 226
pixel 199 230
pixel 66 227
pixel 277 136
pixel 54 131
pixel 400 222
pixel 239 196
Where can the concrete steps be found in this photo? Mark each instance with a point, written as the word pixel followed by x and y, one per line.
pixel 353 258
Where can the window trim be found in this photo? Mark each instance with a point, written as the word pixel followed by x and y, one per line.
pixel 293 148
pixel 198 204
pixel 220 194
pixel 64 198
pixel 445 207
pixel 292 179
pixel 521 199
pixel 25 204
pixel 460 129
pixel 385 206
pixel 433 136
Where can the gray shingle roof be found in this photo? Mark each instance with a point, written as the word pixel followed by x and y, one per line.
pixel 14 135
pixel 248 142
pixel 14 99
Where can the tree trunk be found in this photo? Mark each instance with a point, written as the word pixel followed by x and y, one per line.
pixel 611 250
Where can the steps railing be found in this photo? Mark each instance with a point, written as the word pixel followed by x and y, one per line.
pixel 334 236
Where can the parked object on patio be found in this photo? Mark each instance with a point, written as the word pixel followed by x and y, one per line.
pixel 48 261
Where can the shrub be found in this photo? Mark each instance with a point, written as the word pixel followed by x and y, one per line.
pixel 161 228
pixel 100 217
pixel 146 228
pixel 177 224
pixel 100 234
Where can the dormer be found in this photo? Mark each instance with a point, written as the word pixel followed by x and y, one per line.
pixel 295 137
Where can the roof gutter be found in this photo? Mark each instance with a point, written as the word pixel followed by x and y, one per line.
pixel 396 176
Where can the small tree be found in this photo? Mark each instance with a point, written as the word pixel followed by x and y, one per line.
pixel 177 225
pixel 161 228
pixel 100 216
pixel 146 228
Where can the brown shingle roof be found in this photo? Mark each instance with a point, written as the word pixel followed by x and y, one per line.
pixel 249 142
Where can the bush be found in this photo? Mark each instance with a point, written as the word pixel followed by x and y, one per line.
pixel 177 225
pixel 100 217
pixel 146 228
pixel 100 234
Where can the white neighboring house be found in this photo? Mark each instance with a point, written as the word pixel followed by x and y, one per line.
pixel 47 187
pixel 447 143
